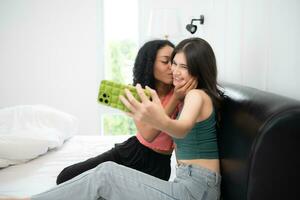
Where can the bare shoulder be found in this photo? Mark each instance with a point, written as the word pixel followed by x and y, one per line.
pixel 199 98
pixel 197 93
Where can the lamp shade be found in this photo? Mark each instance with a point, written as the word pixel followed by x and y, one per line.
pixel 164 23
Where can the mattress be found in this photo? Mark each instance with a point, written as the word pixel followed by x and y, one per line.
pixel 40 174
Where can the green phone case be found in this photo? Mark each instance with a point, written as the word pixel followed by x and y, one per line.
pixel 110 91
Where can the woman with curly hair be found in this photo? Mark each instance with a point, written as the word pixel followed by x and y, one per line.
pixel 150 150
pixel 194 133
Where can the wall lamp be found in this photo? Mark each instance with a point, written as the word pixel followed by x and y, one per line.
pixel 193 28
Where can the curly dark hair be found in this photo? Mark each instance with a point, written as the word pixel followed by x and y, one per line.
pixel 144 62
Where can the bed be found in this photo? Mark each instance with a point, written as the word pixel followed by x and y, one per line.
pixel 37 142
pixel 40 174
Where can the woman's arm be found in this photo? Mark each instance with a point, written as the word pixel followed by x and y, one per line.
pixel 148 132
pixel 152 112
pixel 193 104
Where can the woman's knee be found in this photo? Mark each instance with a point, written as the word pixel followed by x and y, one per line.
pixel 109 164
pixel 106 167
pixel 105 171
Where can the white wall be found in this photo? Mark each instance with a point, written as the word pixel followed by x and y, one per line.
pixel 50 53
pixel 51 50
pixel 256 41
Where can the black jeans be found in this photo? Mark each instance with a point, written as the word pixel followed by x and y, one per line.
pixel 130 153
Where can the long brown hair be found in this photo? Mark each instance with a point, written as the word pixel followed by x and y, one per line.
pixel 201 63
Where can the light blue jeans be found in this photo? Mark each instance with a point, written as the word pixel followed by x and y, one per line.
pixel 114 182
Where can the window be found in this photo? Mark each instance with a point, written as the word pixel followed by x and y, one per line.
pixel 121 43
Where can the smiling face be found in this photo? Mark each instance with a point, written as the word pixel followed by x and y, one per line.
pixel 180 69
pixel 162 66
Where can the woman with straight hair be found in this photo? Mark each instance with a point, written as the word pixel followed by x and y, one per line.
pixel 150 150
pixel 194 133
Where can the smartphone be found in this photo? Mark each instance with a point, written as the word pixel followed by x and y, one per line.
pixel 110 91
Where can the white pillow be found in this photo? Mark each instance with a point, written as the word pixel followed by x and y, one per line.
pixel 31 130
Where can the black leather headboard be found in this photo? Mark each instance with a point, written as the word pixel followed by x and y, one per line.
pixel 259 141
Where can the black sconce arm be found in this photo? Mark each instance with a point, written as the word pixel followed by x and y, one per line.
pixel 201 19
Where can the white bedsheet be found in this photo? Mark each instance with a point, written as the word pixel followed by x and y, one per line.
pixel 40 174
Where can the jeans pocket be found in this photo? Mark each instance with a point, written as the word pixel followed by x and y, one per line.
pixel 198 190
pixel 213 190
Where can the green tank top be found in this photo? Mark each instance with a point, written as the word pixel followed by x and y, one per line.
pixel 200 142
